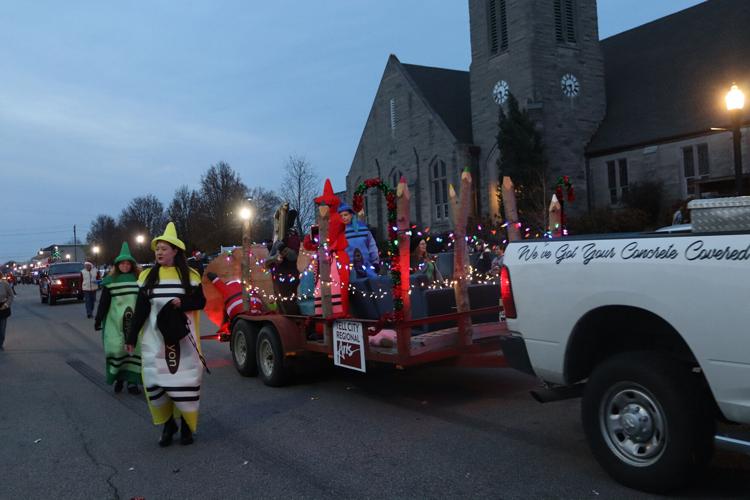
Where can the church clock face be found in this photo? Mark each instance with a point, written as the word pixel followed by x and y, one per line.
pixel 570 86
pixel 500 92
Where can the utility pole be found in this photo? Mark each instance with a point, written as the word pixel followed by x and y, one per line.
pixel 75 244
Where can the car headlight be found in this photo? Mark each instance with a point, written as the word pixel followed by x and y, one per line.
pixel 57 282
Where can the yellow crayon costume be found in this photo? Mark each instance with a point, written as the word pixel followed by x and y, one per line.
pixel 172 373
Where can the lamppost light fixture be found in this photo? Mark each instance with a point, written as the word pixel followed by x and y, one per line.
pixel 245 213
pixel 140 239
pixel 95 249
pixel 735 98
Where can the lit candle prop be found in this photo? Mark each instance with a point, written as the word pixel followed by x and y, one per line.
pixel 511 212
pixel 555 217
pixel 402 206
pixel 460 205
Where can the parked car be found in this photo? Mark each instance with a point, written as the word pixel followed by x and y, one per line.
pixel 61 281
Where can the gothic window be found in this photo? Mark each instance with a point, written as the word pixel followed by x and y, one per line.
pixel 565 21
pixel 394 117
pixel 617 180
pixel 695 165
pixel 440 189
pixel 497 16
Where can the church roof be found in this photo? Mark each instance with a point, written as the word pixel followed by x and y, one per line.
pixel 447 91
pixel 667 79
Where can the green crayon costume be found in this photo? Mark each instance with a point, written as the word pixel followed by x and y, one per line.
pixel 116 306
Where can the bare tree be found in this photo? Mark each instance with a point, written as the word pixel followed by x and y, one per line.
pixel 184 211
pixel 105 233
pixel 144 214
pixel 265 203
pixel 300 186
pixel 222 192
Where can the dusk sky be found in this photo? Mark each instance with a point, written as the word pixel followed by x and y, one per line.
pixel 102 102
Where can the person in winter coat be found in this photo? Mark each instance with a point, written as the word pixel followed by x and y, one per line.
pixel 282 262
pixel 359 237
pixel 166 317
pixel 89 285
pixel 113 316
pixel 6 300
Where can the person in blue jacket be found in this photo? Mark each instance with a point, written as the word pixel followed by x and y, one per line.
pixel 360 238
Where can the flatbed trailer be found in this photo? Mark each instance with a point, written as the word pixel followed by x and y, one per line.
pixel 267 344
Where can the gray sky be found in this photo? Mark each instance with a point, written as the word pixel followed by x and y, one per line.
pixel 102 102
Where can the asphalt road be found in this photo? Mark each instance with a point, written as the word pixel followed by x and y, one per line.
pixel 433 432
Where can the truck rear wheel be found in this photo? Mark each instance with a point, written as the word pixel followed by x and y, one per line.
pixel 648 420
pixel 243 349
pixel 271 366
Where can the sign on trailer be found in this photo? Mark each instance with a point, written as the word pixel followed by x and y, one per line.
pixel 349 345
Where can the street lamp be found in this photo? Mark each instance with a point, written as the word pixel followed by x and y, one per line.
pixel 95 249
pixel 67 256
pixel 735 104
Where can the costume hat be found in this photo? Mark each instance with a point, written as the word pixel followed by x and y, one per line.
pixel 328 197
pixel 345 208
pixel 170 236
pixel 125 254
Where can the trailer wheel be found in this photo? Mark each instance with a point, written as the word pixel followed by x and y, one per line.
pixel 648 420
pixel 242 346
pixel 271 367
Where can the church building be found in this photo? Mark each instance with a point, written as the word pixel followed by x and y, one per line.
pixel 646 104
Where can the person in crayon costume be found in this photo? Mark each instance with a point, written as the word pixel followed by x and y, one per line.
pixel 339 259
pixel 113 316
pixel 167 319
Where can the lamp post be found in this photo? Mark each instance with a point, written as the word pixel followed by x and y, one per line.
pixel 139 239
pixel 95 249
pixel 245 214
pixel 735 104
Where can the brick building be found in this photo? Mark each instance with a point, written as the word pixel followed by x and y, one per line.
pixel 636 106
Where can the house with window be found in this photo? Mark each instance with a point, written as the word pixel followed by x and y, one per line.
pixel 643 105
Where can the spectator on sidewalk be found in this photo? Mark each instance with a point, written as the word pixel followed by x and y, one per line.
pixel 89 285
pixel 6 299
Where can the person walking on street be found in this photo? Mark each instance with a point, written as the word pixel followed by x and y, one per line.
pixel 166 320
pixel 89 286
pixel 113 316
pixel 6 299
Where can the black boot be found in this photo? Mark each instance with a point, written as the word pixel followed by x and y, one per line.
pixel 133 389
pixel 118 386
pixel 186 435
pixel 166 434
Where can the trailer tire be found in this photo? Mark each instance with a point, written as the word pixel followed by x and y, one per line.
pixel 242 345
pixel 272 368
pixel 648 420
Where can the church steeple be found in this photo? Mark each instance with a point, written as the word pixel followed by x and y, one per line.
pixel 546 53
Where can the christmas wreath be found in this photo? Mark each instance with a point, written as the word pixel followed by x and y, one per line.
pixel 390 200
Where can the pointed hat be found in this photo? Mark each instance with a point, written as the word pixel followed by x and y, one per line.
pixel 125 254
pixel 170 236
pixel 328 197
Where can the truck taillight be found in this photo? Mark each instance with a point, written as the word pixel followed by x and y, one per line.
pixel 506 292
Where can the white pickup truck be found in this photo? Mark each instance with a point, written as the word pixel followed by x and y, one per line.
pixel 652 330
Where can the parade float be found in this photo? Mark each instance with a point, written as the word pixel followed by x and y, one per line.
pixel 392 319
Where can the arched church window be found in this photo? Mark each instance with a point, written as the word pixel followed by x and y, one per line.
pixel 497 23
pixel 565 21
pixel 440 189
